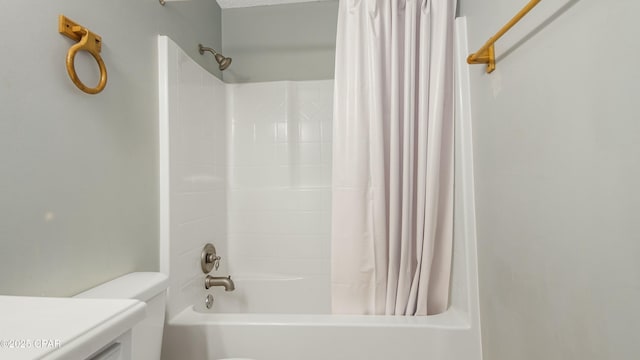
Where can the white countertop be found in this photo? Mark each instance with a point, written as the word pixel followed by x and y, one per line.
pixel 62 328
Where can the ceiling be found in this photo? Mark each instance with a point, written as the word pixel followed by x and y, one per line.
pixel 226 4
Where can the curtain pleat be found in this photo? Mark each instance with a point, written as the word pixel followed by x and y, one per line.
pixel 392 212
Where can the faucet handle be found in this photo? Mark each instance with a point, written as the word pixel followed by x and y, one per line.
pixel 215 260
pixel 209 259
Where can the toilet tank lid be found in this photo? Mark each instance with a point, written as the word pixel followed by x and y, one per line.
pixel 138 285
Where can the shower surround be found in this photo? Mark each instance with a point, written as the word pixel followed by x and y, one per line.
pixel 279 196
pixel 248 168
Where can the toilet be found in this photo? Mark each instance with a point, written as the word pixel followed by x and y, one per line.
pixel 148 287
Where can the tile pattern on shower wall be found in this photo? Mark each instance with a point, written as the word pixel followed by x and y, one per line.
pixel 279 179
pixel 198 174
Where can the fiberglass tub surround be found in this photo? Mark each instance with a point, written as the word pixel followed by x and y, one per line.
pixel 260 193
pixel 252 178
pixel 279 197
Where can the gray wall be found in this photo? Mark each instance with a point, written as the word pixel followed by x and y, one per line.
pixel 280 42
pixel 557 156
pixel 79 172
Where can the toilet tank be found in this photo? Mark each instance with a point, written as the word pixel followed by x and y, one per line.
pixel 149 287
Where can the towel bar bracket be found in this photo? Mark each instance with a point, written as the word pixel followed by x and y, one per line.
pixel 488 56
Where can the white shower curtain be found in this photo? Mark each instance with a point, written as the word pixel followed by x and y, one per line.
pixel 392 196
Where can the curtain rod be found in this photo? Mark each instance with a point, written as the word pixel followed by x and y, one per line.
pixel 486 54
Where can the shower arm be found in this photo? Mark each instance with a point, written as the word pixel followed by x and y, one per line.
pixel 202 49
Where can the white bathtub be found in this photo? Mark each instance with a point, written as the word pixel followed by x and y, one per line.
pixel 279 317
pixel 194 335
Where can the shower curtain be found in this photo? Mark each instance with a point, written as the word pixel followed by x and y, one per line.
pixel 392 210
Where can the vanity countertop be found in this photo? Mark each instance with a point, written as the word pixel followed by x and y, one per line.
pixel 62 328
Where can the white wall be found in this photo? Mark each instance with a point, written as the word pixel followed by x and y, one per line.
pixel 279 187
pixel 247 168
pixel 78 181
pixel 557 149
pixel 193 172
pixel 280 42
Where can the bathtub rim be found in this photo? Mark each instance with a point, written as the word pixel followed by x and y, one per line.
pixel 452 319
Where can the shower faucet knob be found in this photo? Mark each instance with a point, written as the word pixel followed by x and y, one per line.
pixel 215 260
pixel 209 259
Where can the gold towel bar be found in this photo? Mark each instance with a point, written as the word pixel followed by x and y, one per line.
pixel 486 54
pixel 87 41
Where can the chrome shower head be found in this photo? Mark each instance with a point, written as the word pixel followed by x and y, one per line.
pixel 223 61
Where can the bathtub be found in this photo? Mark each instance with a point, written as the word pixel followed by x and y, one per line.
pixel 196 335
pixel 280 317
pixel 284 317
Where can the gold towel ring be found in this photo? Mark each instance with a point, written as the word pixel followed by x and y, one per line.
pixel 89 42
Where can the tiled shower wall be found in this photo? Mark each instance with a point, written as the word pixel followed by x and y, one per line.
pixel 193 202
pixel 249 170
pixel 279 179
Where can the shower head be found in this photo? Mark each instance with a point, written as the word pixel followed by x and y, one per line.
pixel 224 62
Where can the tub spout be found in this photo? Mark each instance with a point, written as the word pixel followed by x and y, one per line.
pixel 228 284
